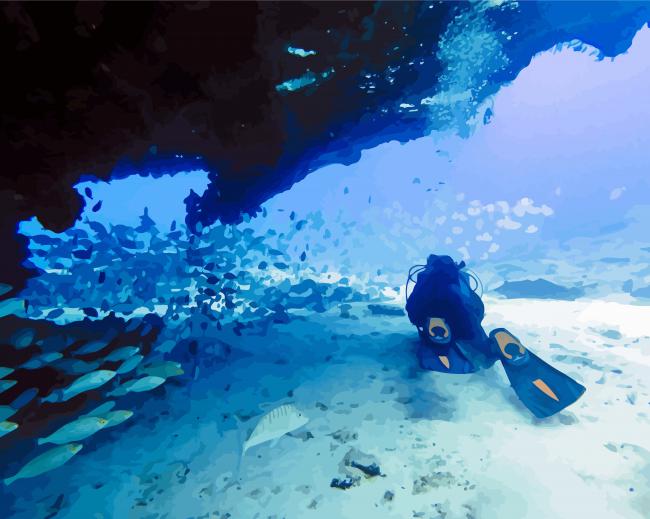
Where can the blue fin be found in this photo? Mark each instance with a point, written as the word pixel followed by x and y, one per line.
pixel 444 358
pixel 543 389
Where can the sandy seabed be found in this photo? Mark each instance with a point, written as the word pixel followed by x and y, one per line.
pixel 454 446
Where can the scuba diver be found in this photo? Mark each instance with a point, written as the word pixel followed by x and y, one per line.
pixel 448 312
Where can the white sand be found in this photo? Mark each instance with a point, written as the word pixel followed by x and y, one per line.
pixel 455 446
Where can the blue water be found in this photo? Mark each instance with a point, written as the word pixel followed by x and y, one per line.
pixel 552 185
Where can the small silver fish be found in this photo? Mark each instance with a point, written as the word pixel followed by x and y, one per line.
pixel 76 366
pixel 122 353
pixel 91 347
pixel 101 409
pixel 133 324
pixel 129 364
pixel 77 430
pixel 166 346
pixel 7 427
pixel 84 383
pixel 144 384
pixel 47 461
pixel 22 338
pixel 51 357
pixel 163 369
pixel 24 398
pixel 6 384
pixel 41 360
pixel 275 424
pixel 12 306
pixel 6 411
pixel 5 371
pixel 137 386
pixel 55 342
pixel 117 417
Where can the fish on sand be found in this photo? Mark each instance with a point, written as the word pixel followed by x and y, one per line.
pixel 275 424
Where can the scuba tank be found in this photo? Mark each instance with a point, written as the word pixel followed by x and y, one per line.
pixel 443 289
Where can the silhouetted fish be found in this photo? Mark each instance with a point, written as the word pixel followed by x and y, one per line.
pixel 91 347
pixel 42 360
pixel 98 228
pixel 6 384
pixel 76 366
pixel 22 338
pixel 90 312
pixel 82 253
pixel 55 342
pixel 24 398
pixel 57 312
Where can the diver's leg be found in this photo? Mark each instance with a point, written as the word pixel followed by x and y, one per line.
pixel 467 330
pixel 445 359
pixel 541 388
pixel 477 346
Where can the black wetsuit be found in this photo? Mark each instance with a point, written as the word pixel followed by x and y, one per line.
pixel 443 290
pixel 460 345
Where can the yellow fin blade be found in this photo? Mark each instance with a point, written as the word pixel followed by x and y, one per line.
pixel 543 387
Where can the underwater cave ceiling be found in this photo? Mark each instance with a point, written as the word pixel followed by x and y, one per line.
pixel 258 94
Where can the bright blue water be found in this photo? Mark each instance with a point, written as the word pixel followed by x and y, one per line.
pixel 554 185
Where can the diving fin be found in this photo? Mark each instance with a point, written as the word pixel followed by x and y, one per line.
pixel 543 389
pixel 437 352
pixel 445 358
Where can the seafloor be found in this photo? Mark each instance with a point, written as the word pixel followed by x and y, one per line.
pixel 455 446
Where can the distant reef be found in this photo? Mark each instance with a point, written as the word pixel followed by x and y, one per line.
pixel 539 289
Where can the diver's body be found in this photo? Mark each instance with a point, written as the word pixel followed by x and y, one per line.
pixel 448 313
